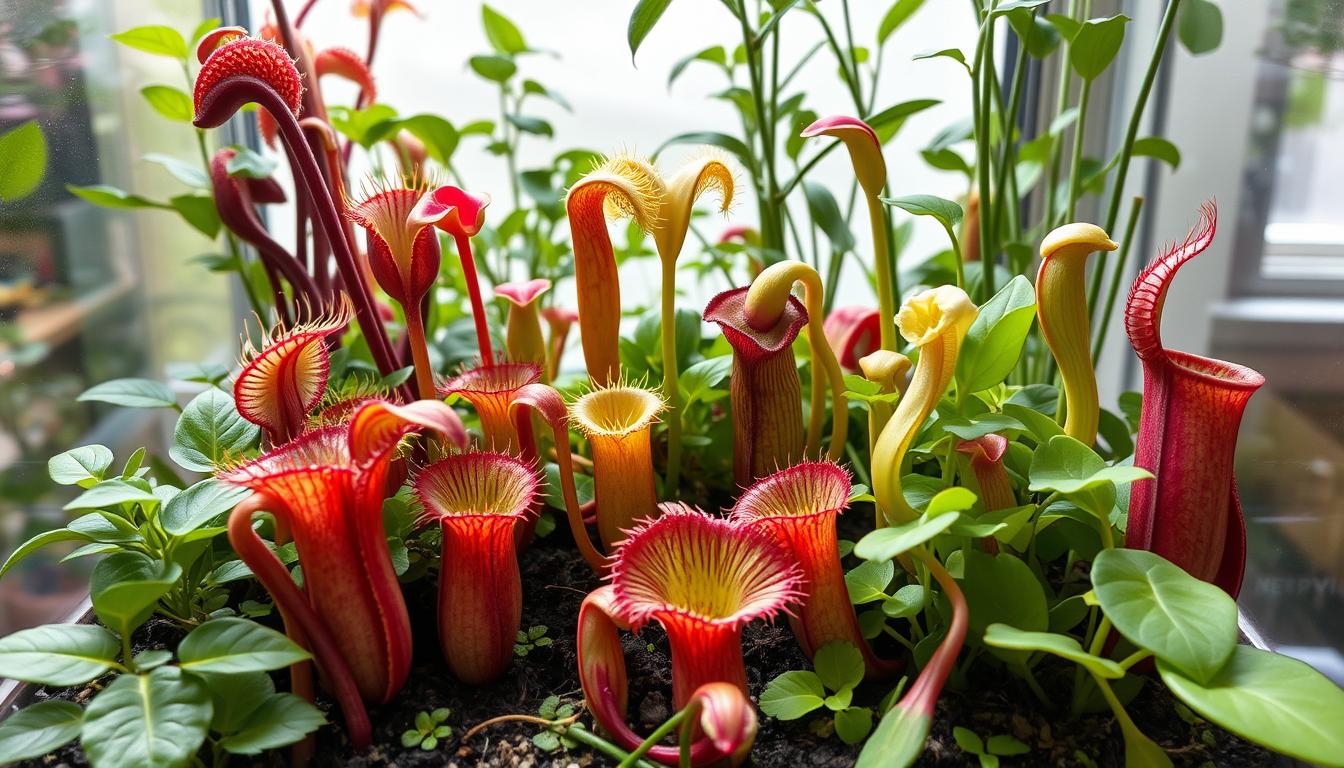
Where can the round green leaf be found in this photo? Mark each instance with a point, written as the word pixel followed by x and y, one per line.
pixel 58 654
pixel 195 506
pixel 994 342
pixel 1199 26
pixel 839 665
pixel 157 720
pixel 132 393
pixel 235 698
pixel 792 695
pixel 1063 646
pixel 282 719
pixel 1188 623
pixel 495 68
pixel 230 644
pixel 1002 589
pixel 36 730
pixel 126 586
pixel 1095 45
pixel 886 543
pixel 78 466
pixel 503 34
pixel 172 103
pixel 210 432
pixel 23 161
pixel 1270 699
pixel 155 39
pixel 852 724
pixel 868 582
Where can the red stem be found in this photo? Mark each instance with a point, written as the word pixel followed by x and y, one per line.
pixel 474 292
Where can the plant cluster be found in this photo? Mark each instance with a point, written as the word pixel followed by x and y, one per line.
pixel 380 431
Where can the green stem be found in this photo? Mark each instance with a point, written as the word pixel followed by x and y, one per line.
pixel 1131 134
pixel 1076 164
pixel 1134 658
pixel 1057 150
pixel 658 735
pixel 588 738
pixel 1008 159
pixel 1117 274
pixel 980 89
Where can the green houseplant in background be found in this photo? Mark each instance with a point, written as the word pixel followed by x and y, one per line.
pixel 979 522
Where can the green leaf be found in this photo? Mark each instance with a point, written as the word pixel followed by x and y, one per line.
pixel 906 602
pixel 532 125
pixel 282 719
pixel 232 645
pixel 155 39
pixel 248 164
pixel 984 424
pixel 202 373
pixel 235 697
pixel 701 378
pixel 1067 466
pixel 37 542
pixel 826 214
pixel 721 140
pixel 1063 646
pixel 23 160
pixel 131 393
pixel 439 135
pixel 172 103
pixel 126 586
pixel 899 12
pixel 889 121
pixel 195 506
pixel 181 170
pixel 199 211
pixel 112 493
pixel 642 20
pixel 502 33
pixel 954 54
pixel 95 527
pixel 58 654
pixel 158 720
pixel 792 695
pixel 1094 46
pixel 945 211
pixel 1185 622
pixel 105 196
pixel 994 342
pixel 887 543
pixel 968 740
pixel 950 500
pixel 868 582
pixel 852 724
pixel 713 54
pixel 83 466
pixel 898 740
pixel 1066 25
pixel 1002 589
pixel 495 68
pixel 1199 26
pixel 1003 744
pixel 1270 699
pixel 38 729
pixel 839 665
pixel 367 126
pixel 1160 148
pixel 210 432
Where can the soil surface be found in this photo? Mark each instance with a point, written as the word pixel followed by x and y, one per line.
pixel 555 581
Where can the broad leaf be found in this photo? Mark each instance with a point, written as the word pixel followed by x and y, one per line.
pixel 37 542
pixel 945 211
pixel 868 582
pixel 1159 148
pixel 495 68
pixel 898 14
pixel 236 697
pixel 439 136
pixel 58 654
pixel 792 695
pixel 503 34
pixel 230 645
pixel 83 466
pixel 158 720
pixel 172 103
pixel 898 740
pixel 1190 624
pixel 1199 26
pixel 1270 699
pixel 839 665
pixel 984 424
pixel 185 172
pixel 23 161
pixel 887 543
pixel 109 494
pixel 199 211
pixel 38 729
pixel 132 393
pixel 211 432
pixel 282 719
pixel 1067 466
pixel 852 724
pixel 195 506
pixel 126 586
pixel 1094 46
pixel 155 39
pixel 994 342
pixel 1002 589
pixel 1063 646
pixel 826 214
pixel 642 20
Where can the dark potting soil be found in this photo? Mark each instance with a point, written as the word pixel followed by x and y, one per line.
pixel 555 581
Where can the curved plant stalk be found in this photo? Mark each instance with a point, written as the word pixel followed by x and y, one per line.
pixel 708 170
pixel 478 500
pixel 546 403
pixel 615 188
pixel 798 506
pixel 462 214
pixel 767 298
pixel 404 259
pixel 934 322
pixel 870 168
pixel 1061 305
pixel 490 389
pixel 279 386
pixel 328 487
pixel 852 332
pixel 522 336
pixel 248 70
pixel 618 422
pixel 888 371
pixel 558 321
pixel 1192 406
pixel 718 710
pixel 702 579
pixel 765 390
